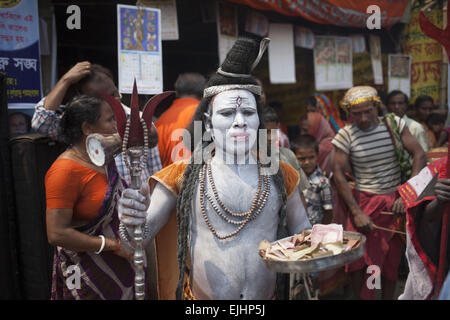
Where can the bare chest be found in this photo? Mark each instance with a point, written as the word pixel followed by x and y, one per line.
pixel 231 268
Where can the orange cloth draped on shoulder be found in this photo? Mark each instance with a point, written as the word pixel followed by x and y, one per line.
pixel 70 185
pixel 319 128
pixel 171 177
pixel 178 116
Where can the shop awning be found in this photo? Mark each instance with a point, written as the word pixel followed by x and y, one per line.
pixel 343 13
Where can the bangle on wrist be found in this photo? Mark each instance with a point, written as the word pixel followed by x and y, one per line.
pixel 102 246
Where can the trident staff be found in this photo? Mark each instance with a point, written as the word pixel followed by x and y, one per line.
pixel 137 134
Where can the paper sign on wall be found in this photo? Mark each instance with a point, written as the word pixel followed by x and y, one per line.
pixel 400 73
pixel 281 53
pixel 139 49
pixel 333 63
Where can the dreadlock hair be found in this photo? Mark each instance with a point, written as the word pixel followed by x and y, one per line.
pixel 239 60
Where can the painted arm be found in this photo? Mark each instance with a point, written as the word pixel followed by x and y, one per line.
pixel 135 208
pixel 297 220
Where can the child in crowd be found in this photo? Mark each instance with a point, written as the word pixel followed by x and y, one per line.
pixel 318 196
pixel 436 123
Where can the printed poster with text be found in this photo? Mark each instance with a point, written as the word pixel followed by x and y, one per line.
pixel 400 73
pixel 139 49
pixel 333 63
pixel 19 52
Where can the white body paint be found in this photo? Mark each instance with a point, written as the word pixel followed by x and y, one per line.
pixel 232 268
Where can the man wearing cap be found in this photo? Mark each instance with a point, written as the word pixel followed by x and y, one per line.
pixel 226 200
pixel 366 146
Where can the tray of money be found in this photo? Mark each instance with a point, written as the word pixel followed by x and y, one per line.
pixel 322 248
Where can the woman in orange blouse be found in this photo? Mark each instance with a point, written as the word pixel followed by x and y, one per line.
pixel 82 219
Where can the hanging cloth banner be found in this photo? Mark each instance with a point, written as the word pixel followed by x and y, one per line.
pixel 426 55
pixel 343 13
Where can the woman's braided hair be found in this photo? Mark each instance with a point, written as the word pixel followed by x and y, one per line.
pixel 237 61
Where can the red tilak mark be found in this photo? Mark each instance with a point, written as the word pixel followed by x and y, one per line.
pixel 96 151
pixel 238 102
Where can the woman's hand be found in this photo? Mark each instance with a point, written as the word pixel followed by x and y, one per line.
pixel 133 205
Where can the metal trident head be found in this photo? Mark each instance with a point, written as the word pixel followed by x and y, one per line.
pixel 136 132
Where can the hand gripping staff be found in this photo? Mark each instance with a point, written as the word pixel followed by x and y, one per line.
pixel 443 37
pixel 137 135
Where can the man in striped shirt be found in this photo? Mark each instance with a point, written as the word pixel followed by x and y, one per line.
pixel 365 148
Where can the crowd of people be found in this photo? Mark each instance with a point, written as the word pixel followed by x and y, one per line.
pixel 207 218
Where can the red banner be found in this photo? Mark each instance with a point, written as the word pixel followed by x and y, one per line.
pixel 344 13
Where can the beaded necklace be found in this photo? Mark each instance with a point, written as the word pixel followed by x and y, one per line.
pixel 258 203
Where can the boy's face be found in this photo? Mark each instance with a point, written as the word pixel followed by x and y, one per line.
pixel 307 159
